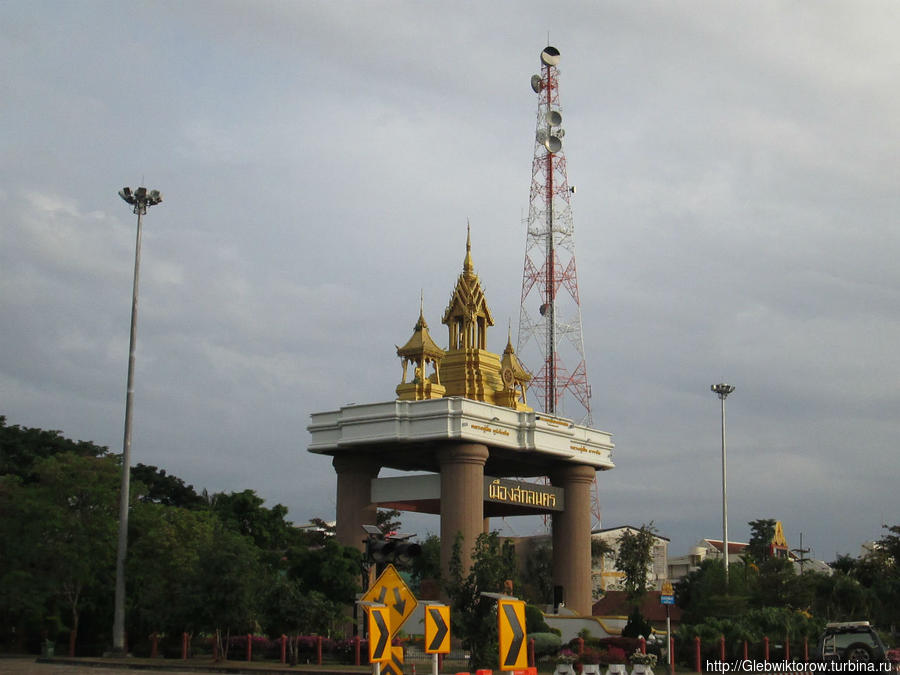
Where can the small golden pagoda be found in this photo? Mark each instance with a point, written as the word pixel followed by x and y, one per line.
pixel 420 350
pixel 467 368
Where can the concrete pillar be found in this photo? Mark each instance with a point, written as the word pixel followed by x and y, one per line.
pixel 572 536
pixel 354 498
pixel 462 498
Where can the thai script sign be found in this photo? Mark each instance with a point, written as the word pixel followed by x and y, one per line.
pixel 544 497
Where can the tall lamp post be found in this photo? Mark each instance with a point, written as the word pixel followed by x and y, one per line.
pixel 141 199
pixel 723 390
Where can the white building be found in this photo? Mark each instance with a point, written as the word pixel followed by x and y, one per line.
pixel 606 577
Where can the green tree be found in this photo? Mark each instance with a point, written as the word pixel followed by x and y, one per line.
pixel 163 570
pixel 22 448
pixel 162 488
pixel 704 593
pixel 473 615
pixel 635 558
pixel 776 585
pixel 230 585
pixel 59 534
pixel 427 565
pixel 388 520
pixel 537 587
pixel 762 532
pixel 331 569
pixel 244 513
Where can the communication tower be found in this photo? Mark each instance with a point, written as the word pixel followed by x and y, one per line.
pixel 550 342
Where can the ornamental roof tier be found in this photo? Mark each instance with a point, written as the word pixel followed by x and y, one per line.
pixel 406 435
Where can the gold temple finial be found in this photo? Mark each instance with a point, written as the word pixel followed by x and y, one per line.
pixel 468 268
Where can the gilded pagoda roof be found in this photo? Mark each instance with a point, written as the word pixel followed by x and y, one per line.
pixel 509 357
pixel 468 298
pixel 420 343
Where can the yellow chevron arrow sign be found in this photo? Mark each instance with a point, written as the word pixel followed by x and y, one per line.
pixel 379 635
pixel 511 626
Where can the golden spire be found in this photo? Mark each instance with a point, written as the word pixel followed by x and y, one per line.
pixel 468 268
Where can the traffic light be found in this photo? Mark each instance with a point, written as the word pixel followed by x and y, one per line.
pixel 380 550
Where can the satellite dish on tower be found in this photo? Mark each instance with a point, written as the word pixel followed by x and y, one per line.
pixel 536 84
pixel 553 144
pixel 550 56
pixel 554 118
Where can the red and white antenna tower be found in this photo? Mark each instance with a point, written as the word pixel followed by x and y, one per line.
pixel 550 340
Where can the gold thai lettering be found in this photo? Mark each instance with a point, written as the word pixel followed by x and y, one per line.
pixel 497 491
pixel 490 430
pixel 592 451
pixel 521 493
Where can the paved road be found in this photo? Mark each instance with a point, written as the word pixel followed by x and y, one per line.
pixel 26 666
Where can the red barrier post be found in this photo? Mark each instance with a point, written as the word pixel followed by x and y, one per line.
pixel 642 641
pixel 216 647
pixel 184 646
pixel 319 649
pixel 806 650
pixel 766 649
pixel 249 647
pixel 283 648
pixel 697 653
pixel 154 645
pixel 722 648
pixel 787 648
pixel 746 650
pixel 356 650
pixel 531 663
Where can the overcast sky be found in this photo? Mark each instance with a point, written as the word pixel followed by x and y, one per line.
pixel 737 167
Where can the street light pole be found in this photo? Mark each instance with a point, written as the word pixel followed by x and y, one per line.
pixel 141 199
pixel 723 390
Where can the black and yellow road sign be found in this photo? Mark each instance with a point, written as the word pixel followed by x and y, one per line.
pixel 395 665
pixel 511 627
pixel 390 589
pixel 437 629
pixel 379 635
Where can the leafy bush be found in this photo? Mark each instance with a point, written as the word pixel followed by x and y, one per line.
pixel 545 644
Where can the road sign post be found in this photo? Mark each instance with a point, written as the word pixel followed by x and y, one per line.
pixel 389 589
pixel 379 635
pixel 437 633
pixel 511 629
pixel 667 598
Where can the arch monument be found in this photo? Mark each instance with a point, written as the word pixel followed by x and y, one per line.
pixel 466 431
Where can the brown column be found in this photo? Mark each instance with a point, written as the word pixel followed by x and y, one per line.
pixel 462 498
pixel 354 498
pixel 572 536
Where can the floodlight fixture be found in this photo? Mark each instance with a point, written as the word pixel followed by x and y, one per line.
pixel 141 198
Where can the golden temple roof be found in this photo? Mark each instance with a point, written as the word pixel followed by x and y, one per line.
pixel 421 342
pixel 466 368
